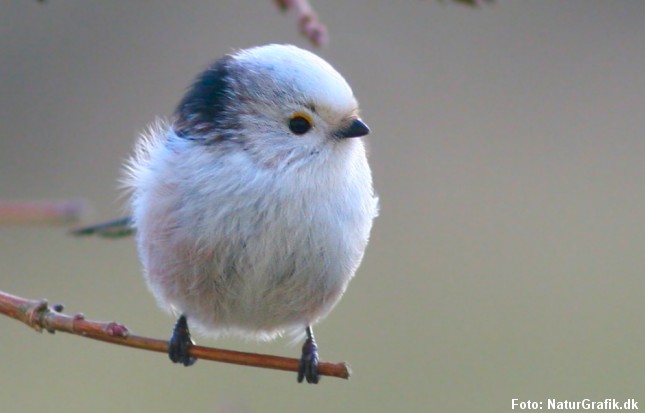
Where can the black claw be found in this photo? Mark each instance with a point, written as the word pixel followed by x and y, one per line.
pixel 180 342
pixel 308 366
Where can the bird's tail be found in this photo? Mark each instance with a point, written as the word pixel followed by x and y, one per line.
pixel 118 228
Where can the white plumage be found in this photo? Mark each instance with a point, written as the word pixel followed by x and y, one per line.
pixel 242 225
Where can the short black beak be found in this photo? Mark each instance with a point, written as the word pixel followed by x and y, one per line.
pixel 355 129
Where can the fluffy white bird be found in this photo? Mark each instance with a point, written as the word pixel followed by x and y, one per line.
pixel 253 204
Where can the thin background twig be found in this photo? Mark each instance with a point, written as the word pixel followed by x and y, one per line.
pixel 41 212
pixel 307 20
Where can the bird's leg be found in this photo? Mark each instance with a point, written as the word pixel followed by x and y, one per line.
pixel 308 367
pixel 180 342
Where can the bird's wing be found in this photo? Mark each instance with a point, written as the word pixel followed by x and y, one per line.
pixel 117 228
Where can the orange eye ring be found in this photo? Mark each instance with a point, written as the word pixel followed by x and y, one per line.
pixel 300 123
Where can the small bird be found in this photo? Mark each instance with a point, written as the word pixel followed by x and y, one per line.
pixel 253 204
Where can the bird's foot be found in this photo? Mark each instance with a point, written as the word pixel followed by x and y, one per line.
pixel 180 342
pixel 308 366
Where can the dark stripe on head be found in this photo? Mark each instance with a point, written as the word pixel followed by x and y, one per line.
pixel 203 110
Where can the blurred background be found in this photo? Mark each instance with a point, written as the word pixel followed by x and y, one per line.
pixel 507 149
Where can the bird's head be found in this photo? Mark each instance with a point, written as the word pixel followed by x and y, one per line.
pixel 279 103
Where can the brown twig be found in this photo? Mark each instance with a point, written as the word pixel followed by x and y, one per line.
pixel 307 19
pixel 41 212
pixel 471 3
pixel 38 315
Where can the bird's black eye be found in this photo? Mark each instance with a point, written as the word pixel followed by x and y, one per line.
pixel 300 124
